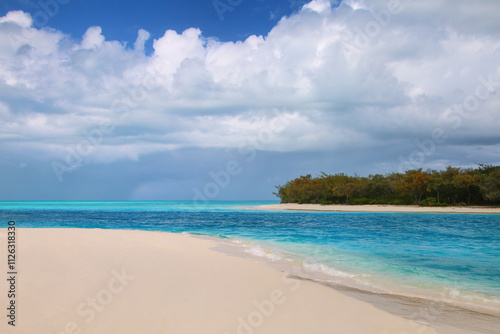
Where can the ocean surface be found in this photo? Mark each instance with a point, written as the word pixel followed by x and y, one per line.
pixel 445 257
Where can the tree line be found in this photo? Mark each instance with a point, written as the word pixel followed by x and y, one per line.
pixel 452 186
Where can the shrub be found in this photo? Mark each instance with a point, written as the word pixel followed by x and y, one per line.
pixel 431 201
pixel 402 201
pixel 380 201
pixel 360 201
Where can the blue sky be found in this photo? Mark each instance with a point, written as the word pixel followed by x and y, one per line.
pixel 150 100
pixel 227 20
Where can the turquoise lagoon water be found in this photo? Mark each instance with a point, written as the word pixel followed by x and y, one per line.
pixel 446 256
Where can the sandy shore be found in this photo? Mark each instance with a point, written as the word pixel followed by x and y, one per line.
pixel 377 208
pixel 114 281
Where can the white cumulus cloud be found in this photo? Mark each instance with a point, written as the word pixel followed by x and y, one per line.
pixel 360 74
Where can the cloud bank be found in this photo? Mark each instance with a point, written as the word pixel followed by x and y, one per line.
pixel 408 83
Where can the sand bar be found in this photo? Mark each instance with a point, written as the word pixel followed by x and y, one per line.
pixel 117 281
pixel 376 208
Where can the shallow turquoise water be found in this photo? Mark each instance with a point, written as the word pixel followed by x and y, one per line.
pixel 452 255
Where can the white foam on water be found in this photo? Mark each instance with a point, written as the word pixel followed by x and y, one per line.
pixel 458 294
pixel 294 264
pixel 258 251
pixel 297 265
pixel 323 268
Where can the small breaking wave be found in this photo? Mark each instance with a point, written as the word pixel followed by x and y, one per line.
pixel 323 268
pixel 258 251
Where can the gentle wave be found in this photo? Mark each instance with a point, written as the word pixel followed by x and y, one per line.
pixel 323 268
pixel 258 251
pixel 409 285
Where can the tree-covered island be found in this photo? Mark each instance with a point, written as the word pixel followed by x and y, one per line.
pixel 452 186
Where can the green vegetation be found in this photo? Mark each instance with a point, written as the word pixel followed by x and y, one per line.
pixel 452 186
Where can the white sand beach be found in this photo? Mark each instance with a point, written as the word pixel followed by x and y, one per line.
pixel 376 208
pixel 118 281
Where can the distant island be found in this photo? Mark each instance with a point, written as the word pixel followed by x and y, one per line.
pixel 452 186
